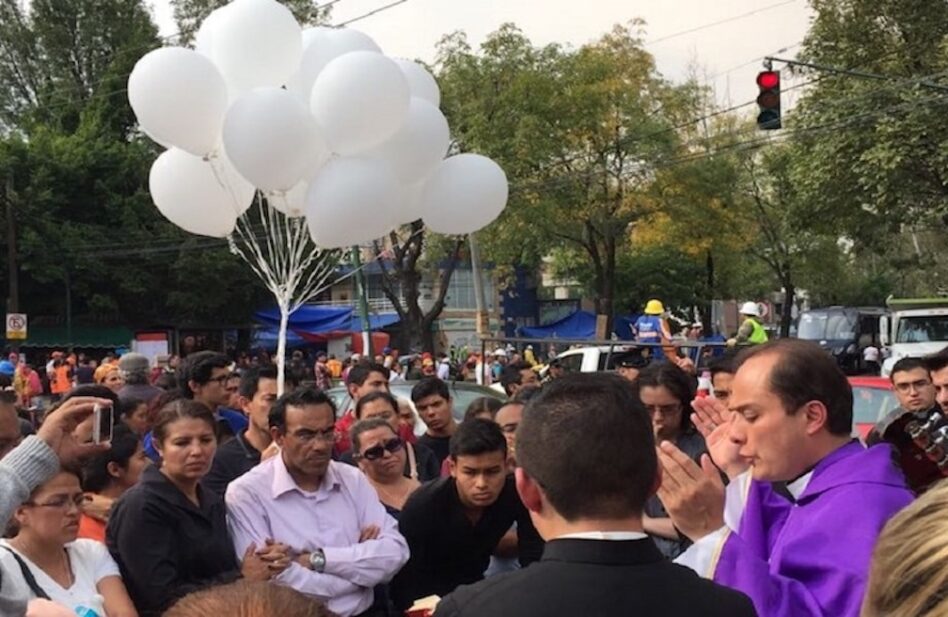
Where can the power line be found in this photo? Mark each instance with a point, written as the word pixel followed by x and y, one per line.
pixel 719 22
pixel 381 9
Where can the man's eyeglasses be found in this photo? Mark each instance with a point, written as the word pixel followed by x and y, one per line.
pixel 306 436
pixel 219 380
pixel 905 388
pixel 665 410
pixel 62 502
pixel 376 452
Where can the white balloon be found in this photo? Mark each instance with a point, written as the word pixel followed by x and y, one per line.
pixel 411 203
pixel 464 193
pixel 204 38
pixel 352 201
pixel 361 99
pixel 419 145
pixel 421 83
pixel 257 43
pixel 179 98
pixel 272 139
pixel 200 196
pixel 292 203
pixel 322 45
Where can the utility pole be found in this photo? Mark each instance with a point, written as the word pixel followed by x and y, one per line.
pixel 362 290
pixel 482 320
pixel 13 297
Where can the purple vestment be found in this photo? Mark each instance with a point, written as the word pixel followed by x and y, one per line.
pixel 811 558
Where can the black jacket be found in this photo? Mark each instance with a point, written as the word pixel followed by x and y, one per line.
pixel 597 578
pixel 165 546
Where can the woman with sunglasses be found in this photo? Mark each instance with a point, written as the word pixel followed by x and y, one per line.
pixel 46 561
pixel 666 392
pixel 380 454
pixel 420 462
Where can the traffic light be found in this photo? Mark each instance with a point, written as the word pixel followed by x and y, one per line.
pixel 768 100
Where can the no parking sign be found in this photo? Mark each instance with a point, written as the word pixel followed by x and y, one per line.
pixel 16 326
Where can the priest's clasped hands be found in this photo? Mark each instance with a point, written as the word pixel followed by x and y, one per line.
pixel 693 495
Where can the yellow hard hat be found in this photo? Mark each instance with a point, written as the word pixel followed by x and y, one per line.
pixel 654 307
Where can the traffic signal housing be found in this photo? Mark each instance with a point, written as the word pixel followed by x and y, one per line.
pixel 768 118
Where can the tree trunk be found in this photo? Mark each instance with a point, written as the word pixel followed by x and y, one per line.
pixel 606 285
pixel 786 316
pixel 704 308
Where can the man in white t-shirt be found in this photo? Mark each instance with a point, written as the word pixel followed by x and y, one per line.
pixel 870 357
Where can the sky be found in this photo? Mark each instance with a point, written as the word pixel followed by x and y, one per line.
pixel 729 37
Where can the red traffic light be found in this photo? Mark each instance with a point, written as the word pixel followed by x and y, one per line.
pixel 768 79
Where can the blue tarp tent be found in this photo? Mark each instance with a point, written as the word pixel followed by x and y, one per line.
pixel 578 325
pixel 313 323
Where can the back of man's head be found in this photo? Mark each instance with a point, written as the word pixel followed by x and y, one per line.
pixel 587 441
pixel 804 372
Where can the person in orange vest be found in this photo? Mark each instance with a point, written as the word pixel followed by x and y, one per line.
pixel 60 381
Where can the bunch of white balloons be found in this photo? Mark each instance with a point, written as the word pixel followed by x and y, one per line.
pixel 318 119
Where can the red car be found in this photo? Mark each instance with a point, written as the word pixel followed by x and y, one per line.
pixel 872 400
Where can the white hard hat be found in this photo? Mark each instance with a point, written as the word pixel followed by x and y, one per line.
pixel 500 351
pixel 750 308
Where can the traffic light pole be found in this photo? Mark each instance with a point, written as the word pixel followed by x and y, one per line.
pixel 861 74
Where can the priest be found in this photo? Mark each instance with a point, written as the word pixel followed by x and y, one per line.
pixel 795 527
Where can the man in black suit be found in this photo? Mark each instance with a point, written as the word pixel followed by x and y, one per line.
pixel 587 465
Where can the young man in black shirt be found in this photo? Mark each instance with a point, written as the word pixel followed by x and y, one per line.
pixel 452 525
pixel 432 400
pixel 258 392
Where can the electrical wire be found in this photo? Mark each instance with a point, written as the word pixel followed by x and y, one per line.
pixel 382 9
pixel 726 20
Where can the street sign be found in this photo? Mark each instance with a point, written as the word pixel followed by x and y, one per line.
pixel 16 326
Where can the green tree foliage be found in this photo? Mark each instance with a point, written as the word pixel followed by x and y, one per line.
pixel 873 155
pixel 75 170
pixel 580 132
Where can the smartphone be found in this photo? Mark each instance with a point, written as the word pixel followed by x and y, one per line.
pixel 103 422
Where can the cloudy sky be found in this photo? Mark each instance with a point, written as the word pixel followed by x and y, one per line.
pixel 725 38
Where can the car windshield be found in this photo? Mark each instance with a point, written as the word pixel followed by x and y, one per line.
pixel 872 404
pixel 826 327
pixel 923 329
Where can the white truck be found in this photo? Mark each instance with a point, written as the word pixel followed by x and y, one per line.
pixel 914 328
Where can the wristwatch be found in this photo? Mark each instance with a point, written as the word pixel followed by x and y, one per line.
pixel 317 560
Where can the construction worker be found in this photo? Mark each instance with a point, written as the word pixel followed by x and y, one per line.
pixel 751 330
pixel 653 328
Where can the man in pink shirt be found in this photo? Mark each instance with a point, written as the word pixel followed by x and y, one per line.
pixel 343 542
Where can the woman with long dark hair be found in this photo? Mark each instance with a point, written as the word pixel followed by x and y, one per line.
pixel 666 392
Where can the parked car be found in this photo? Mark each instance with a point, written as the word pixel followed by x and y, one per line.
pixel 873 398
pixel 462 393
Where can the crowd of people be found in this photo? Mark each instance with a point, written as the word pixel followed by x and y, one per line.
pixel 633 492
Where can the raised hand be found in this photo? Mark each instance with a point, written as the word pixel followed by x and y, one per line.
pixel 692 495
pixel 713 420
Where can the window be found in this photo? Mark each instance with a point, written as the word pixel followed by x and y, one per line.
pixel 461 291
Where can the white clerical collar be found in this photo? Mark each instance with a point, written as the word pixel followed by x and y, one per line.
pixel 604 535
pixel 799 485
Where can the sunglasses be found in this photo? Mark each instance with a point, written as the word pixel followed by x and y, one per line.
pixel 376 452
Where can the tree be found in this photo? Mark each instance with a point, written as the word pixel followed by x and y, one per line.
pixel 189 14
pixel 579 131
pixel 75 169
pixel 873 156
pixel 414 252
